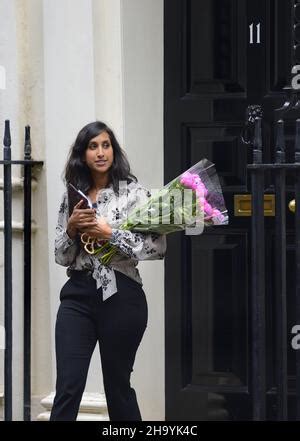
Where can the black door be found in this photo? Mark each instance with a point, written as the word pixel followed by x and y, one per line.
pixel 221 56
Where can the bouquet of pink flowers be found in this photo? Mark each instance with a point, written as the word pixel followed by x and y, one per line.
pixel 191 201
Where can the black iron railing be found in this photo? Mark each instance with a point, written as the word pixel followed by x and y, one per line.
pixel 279 169
pixel 27 163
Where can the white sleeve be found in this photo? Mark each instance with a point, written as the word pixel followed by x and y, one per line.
pixel 65 247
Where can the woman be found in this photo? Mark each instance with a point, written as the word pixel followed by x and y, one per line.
pixel 104 303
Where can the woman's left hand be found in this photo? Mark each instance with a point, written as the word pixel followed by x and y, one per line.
pixel 100 231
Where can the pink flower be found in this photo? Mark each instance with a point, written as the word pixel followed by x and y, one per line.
pixel 187 180
pixel 199 184
pixel 199 192
pixel 203 189
pixel 208 208
pixel 194 182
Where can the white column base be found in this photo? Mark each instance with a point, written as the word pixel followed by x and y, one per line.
pixel 93 407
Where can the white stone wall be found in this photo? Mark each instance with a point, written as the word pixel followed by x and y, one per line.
pixel 69 62
pixel 22 102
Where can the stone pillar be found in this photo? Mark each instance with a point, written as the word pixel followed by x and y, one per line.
pixel 142 43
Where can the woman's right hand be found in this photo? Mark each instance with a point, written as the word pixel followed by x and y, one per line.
pixel 81 217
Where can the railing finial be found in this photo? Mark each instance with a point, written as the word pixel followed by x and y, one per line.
pixel 257 143
pixel 27 144
pixel 7 138
pixel 280 145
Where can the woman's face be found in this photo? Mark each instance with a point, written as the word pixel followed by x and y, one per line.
pixel 99 154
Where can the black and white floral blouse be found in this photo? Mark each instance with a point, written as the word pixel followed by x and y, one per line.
pixel 132 246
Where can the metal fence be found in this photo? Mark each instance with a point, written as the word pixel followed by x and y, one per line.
pixel 27 163
pixel 279 170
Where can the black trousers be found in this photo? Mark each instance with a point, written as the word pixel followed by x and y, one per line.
pixel 118 324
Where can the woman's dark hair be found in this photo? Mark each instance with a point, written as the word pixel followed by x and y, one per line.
pixel 78 173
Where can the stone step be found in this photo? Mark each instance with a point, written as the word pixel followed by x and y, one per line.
pixel 93 407
pixel 82 416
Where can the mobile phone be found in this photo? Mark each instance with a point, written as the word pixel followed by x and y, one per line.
pixel 74 196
